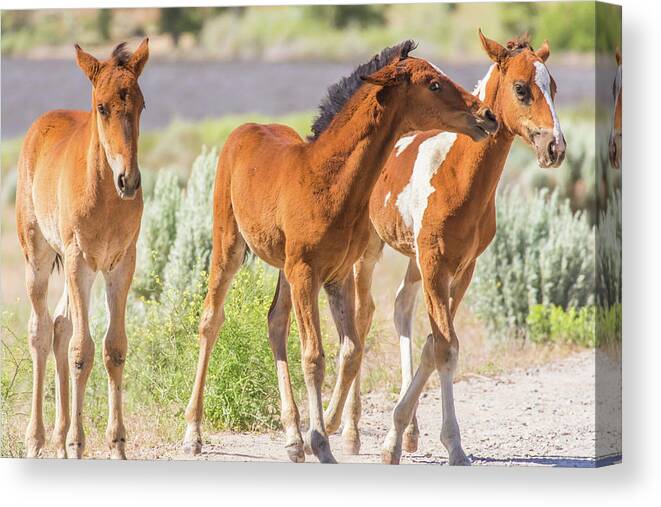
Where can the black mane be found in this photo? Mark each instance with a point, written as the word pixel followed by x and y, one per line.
pixel 339 93
pixel 121 55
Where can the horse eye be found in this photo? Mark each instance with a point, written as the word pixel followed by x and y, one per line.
pixel 521 91
pixel 435 86
pixel 102 109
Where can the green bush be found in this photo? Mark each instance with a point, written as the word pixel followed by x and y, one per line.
pixel 542 253
pixel 555 324
pixel 190 252
pixel 158 232
pixel 242 388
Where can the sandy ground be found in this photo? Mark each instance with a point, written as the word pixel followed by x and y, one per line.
pixel 541 416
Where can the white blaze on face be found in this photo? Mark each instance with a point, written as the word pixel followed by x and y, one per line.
pixel 436 68
pixel 402 144
pixel 543 82
pixel 116 162
pixel 412 200
pixel 481 89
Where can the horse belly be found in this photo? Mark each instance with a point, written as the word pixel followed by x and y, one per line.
pixel 46 211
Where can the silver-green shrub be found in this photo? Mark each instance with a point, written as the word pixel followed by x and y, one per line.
pixel 157 235
pixel 542 253
pixel 609 252
pixel 189 256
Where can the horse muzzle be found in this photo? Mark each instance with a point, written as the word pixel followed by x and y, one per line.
pixel 485 124
pixel 127 185
pixel 550 149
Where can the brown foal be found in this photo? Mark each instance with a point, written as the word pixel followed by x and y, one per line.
pixel 435 203
pixel 79 203
pixel 303 208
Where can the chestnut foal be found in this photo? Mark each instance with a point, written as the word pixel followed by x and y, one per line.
pixel 435 203
pixel 79 203
pixel 303 208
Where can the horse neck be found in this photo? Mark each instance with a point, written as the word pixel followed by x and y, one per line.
pixel 353 150
pixel 99 180
pixel 483 162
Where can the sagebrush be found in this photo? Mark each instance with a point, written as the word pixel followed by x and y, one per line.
pixel 542 253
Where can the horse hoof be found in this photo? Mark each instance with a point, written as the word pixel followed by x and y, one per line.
pixel 389 457
pixel 117 454
pixel 75 450
pixel 460 460
pixel 61 453
pixel 34 452
pixel 326 457
pixel 295 452
pixel 192 448
pixel 319 446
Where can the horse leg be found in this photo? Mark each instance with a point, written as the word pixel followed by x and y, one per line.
pixel 341 299
pixel 403 413
pixel 279 324
pixel 446 353
pixel 305 293
pixel 404 308
pixel 39 262
pixel 115 343
pixel 226 258
pixel 61 336
pixel 80 278
pixel 363 271
pixel 458 288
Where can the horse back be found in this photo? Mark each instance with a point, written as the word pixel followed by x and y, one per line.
pixel 47 138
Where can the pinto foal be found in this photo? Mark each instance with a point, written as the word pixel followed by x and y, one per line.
pixel 435 203
pixel 303 208
pixel 79 203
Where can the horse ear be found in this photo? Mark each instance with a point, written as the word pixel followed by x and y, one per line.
pixel 88 64
pixel 544 51
pixel 618 55
pixel 495 51
pixel 140 57
pixel 387 76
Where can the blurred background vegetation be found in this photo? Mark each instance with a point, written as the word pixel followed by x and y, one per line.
pixel 305 32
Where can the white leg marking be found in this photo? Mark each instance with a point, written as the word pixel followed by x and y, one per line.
pixel 543 81
pixel 402 144
pixel 404 307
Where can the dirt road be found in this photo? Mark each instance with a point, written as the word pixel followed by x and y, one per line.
pixel 542 416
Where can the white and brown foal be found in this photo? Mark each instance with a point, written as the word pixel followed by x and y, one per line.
pixel 435 203
pixel 79 203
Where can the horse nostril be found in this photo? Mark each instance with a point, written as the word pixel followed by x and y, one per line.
pixel 488 114
pixel 139 182
pixel 121 182
pixel 552 150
